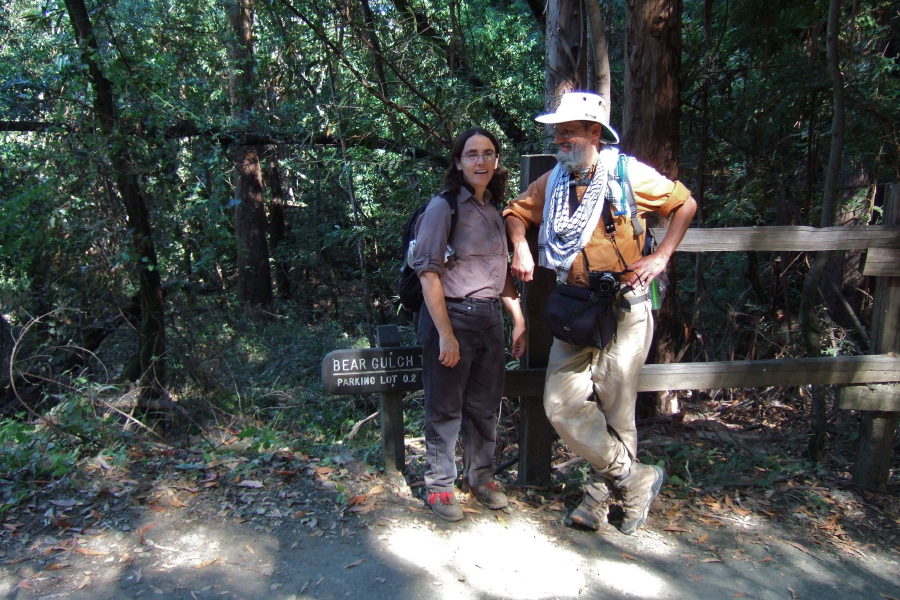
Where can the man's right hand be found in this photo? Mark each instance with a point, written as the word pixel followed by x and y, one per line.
pixel 522 266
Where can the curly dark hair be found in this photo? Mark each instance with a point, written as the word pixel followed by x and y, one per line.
pixel 453 177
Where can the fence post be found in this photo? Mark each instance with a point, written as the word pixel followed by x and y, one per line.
pixel 392 433
pixel 535 432
pixel 877 428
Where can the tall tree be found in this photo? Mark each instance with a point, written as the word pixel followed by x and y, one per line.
pixel 808 323
pixel 253 272
pixel 577 56
pixel 651 130
pixel 150 366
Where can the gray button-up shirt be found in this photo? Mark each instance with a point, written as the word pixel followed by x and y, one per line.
pixel 479 262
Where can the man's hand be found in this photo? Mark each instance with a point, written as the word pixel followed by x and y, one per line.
pixel 522 266
pixel 645 270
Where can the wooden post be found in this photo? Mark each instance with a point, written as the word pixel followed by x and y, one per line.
pixel 535 432
pixel 392 433
pixel 877 428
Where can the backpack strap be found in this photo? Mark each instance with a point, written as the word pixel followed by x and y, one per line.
pixel 622 167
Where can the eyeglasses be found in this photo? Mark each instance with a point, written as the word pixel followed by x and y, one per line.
pixel 474 156
pixel 568 133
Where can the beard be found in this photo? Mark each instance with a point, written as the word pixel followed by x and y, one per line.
pixel 576 159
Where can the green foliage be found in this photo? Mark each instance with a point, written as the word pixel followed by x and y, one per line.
pixel 363 137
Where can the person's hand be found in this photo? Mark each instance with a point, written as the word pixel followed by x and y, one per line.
pixel 519 342
pixel 645 270
pixel 522 265
pixel 449 355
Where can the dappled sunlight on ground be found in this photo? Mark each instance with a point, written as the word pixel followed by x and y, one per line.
pixel 514 560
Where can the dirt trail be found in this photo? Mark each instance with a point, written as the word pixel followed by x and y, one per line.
pixel 344 532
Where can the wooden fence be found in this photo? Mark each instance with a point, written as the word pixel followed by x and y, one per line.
pixel 870 383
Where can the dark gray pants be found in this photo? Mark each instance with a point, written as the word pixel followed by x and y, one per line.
pixel 465 398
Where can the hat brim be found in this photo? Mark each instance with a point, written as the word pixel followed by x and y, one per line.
pixel 608 135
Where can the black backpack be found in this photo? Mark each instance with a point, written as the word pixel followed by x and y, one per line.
pixel 409 288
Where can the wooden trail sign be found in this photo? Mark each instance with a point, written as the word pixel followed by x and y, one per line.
pixel 371 370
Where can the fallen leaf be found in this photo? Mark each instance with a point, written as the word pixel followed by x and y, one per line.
pixel 363 509
pixel 57 566
pixel 359 499
pixel 90 552
pixel 324 471
pixel 803 549
pixel 711 560
pixel 741 595
pixel 502 520
pixel 206 563
pixel 702 538
pixel 144 530
pixel 766 559
pixel 249 483
pixel 628 556
pixel 376 490
pixel 249 549
pixel 154 506
pixel 676 529
pixel 65 503
pixel 355 564
pixel 305 587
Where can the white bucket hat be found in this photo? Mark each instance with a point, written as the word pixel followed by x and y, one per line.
pixel 581 106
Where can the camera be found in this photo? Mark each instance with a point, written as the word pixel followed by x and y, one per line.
pixel 603 282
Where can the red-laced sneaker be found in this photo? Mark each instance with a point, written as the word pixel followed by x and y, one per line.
pixel 445 505
pixel 490 495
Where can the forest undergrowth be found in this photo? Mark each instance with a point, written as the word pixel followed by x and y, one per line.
pixel 250 407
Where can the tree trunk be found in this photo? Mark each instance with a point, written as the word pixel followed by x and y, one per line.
pixel 253 273
pixel 577 53
pixel 152 371
pixel 808 323
pixel 277 225
pixel 651 133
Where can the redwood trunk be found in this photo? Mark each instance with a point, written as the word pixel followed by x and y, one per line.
pixel 651 132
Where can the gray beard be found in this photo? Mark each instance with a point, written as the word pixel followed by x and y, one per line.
pixel 576 160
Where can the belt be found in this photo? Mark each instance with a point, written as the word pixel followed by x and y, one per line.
pixel 635 300
pixel 472 300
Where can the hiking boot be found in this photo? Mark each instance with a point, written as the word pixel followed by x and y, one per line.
pixel 638 489
pixel 490 495
pixel 594 508
pixel 445 505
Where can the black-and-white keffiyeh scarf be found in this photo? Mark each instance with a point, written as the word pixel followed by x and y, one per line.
pixel 562 236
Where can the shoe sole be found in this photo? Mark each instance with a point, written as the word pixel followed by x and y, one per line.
pixel 654 490
pixel 602 528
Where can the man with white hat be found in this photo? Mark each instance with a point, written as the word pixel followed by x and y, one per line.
pixel 586 225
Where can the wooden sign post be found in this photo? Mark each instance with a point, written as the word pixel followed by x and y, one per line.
pixel 390 369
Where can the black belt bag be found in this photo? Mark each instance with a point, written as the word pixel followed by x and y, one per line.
pixel 581 316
